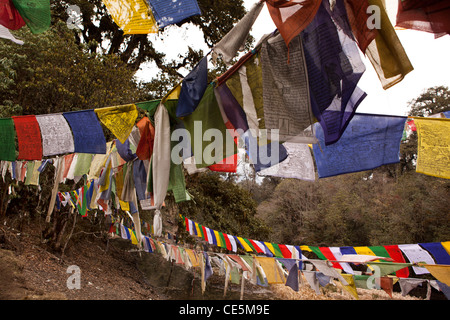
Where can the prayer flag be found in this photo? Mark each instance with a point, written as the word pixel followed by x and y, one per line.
pixel 6 34
pixel 299 164
pixel 424 15
pixel 234 40
pixel 286 100
pixel 192 89
pixel 7 140
pixel 174 11
pixel 87 132
pixel 396 254
pixel 144 148
pixel 119 120
pixel 386 53
pixel 416 254
pixel 291 17
pixel 206 124
pixel 433 150
pixel 56 135
pixel 244 244
pixel 350 286
pixel 132 16
pixel 36 14
pixel 29 137
pixel 441 273
pixel 439 253
pixel 9 16
pixel 334 68
pixel 358 15
pixel 368 142
pixel 271 269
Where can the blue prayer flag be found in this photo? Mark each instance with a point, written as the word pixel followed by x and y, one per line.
pixel 438 251
pixel 192 89
pixel 368 142
pixel 87 132
pixel 334 68
pixel 173 11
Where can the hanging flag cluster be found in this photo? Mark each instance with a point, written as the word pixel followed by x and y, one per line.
pixel 385 265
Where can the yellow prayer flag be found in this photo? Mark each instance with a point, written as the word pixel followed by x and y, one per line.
pixel 219 241
pixel 119 120
pixel 364 251
pixel 305 248
pixel 133 236
pixel 199 233
pixel 270 246
pixel 440 272
pixel 132 16
pixel 351 288
pixel 124 205
pixel 172 94
pixel 192 257
pixel 273 272
pixel 245 244
pixel 433 148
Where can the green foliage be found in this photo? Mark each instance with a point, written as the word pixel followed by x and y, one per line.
pixel 52 73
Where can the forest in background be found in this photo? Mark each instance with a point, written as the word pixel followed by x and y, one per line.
pixel 67 70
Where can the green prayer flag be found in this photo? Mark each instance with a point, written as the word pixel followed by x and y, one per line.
pixel 384 268
pixel 319 253
pixel 7 140
pixel 277 249
pixel 36 14
pixel 380 251
pixel 210 140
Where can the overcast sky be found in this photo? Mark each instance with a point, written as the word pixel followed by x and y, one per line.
pixel 429 57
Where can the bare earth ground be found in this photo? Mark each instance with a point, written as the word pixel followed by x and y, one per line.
pixel 108 272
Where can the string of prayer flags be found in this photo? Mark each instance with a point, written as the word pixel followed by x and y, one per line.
pixel 334 68
pixel 291 17
pixel 424 15
pixel 192 89
pixel 119 120
pixel 433 149
pixel 7 140
pixel 132 16
pixel 368 142
pixel 56 135
pixel 36 14
pixel 386 53
pixel 10 17
pixel 234 40
pixel 173 12
pixel 87 132
pixel 29 137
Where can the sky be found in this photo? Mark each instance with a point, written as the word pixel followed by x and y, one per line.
pixel 429 57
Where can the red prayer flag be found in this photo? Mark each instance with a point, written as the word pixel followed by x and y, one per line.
pixel 29 137
pixel 144 149
pixel 227 241
pixel 285 251
pixel 291 17
pixel 9 16
pixel 357 17
pixel 330 256
pixel 396 254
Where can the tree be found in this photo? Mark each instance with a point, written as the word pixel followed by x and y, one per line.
pixel 52 73
pixel 432 101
